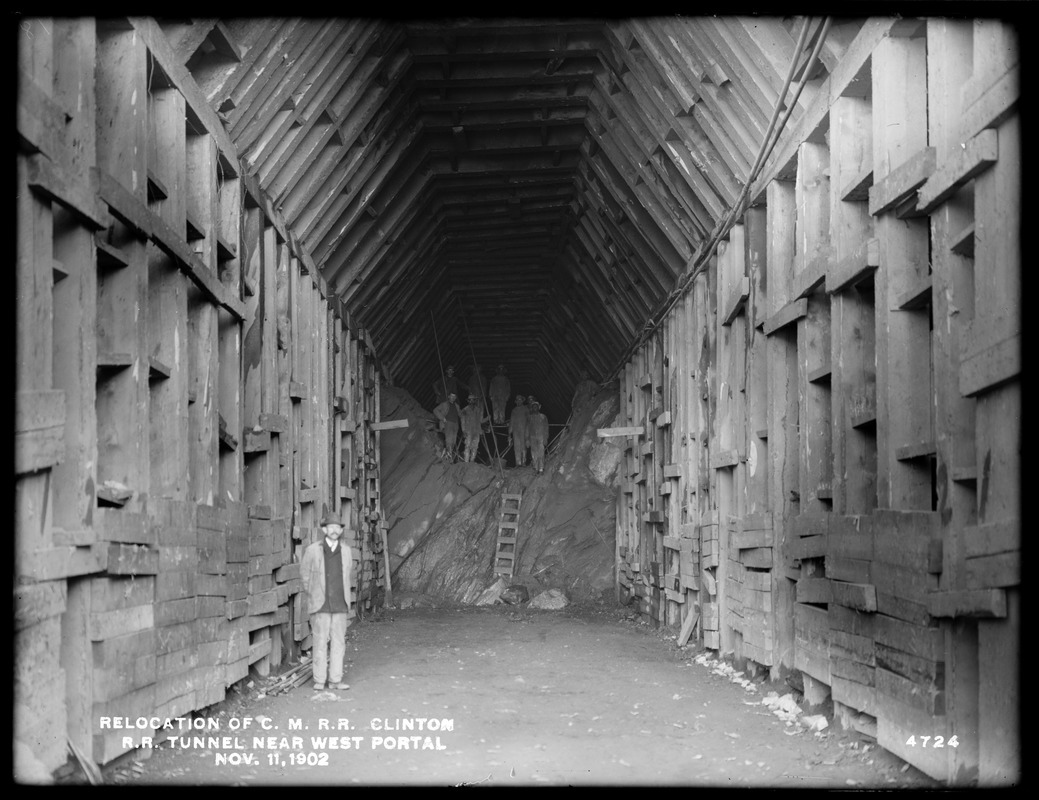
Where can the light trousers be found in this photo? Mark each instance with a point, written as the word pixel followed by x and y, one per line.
pixel 328 629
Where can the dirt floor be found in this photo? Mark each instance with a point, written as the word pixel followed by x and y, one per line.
pixel 504 695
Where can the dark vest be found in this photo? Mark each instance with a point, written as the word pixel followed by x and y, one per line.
pixel 335 603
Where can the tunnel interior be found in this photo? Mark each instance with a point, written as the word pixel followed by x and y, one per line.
pixel 522 192
pixel 785 250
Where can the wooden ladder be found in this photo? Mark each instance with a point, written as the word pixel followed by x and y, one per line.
pixel 508 523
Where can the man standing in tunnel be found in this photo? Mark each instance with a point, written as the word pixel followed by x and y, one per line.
pixel 499 392
pixel 518 431
pixel 325 573
pixel 472 425
pixel 448 414
pixel 445 385
pixel 538 433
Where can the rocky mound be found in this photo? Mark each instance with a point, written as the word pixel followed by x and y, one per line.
pixel 443 516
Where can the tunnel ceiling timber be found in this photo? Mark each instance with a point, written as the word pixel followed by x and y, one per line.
pixel 533 187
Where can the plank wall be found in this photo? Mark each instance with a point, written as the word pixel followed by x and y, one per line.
pixel 189 399
pixel 839 426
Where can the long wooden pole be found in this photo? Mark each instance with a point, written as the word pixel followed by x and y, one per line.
pixel 483 394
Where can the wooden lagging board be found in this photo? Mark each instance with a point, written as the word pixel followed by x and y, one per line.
pixel 508 525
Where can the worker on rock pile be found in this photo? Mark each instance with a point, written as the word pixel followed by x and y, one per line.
pixel 445 385
pixel 477 385
pixel 538 433
pixel 449 415
pixel 518 430
pixel 583 391
pixel 499 392
pixel 472 425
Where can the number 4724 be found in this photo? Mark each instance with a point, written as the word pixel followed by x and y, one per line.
pixel 932 741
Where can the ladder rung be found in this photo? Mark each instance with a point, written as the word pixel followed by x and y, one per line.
pixel 508 556
pixel 506 540
pixel 516 497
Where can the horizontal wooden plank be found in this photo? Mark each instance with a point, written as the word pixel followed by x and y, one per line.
pixel 78 193
pixel 991 538
pixel 925 697
pixel 850 570
pixel 38 449
pixel 39 119
pixel 389 424
pixel 902 181
pixel 790 313
pixel 275 423
pixel 758 557
pixel 909 452
pixel 995 571
pixel 964 163
pixel 132 559
pixel 990 355
pixel 984 603
pixel 806 547
pixel 636 430
pixel 737 300
pixel 994 105
pixel 811 524
pixel 850 693
pixel 854 268
pixel 860 596
pixel 723 459
pixel 813 276
pixel 857 189
pixel 745 540
pixel 915 640
pixel 109 624
pixel 36 602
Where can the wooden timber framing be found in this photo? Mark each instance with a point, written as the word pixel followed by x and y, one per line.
pixel 220 223
pixel 881 571
pixel 164 483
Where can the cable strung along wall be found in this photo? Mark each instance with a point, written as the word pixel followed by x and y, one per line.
pixel 189 400
pixel 823 469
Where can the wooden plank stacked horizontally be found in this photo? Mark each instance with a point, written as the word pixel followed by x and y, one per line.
pixel 123 616
pixel 213 528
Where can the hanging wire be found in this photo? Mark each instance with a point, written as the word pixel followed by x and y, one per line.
pixel 737 209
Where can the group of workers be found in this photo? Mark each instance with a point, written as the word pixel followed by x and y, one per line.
pixel 527 426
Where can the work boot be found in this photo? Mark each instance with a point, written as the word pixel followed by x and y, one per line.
pixel 318 686
pixel 340 685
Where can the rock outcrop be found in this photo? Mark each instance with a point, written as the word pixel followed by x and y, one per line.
pixel 443 516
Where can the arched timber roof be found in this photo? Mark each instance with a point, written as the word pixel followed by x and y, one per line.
pixel 524 191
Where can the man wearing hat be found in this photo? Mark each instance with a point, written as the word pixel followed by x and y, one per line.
pixel 499 393
pixel 325 572
pixel 449 414
pixel 518 430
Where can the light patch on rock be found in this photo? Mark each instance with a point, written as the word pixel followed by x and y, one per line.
pixel 549 600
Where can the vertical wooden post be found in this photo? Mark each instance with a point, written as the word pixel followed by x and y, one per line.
pixel 902 344
pixel 813 339
pixel 783 416
pixel 948 69
pixel 853 376
pixel 998 306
